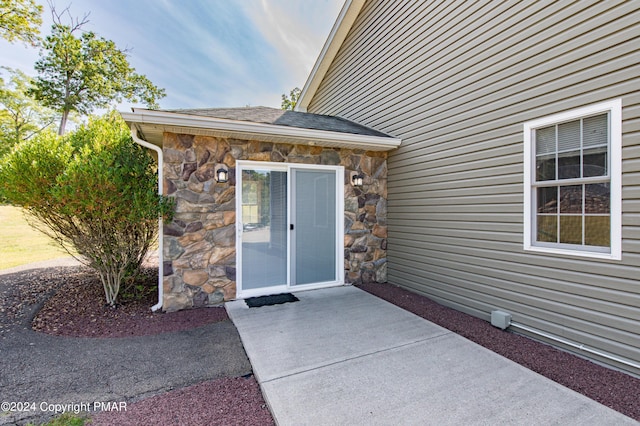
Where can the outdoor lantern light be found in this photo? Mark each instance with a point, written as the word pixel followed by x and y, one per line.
pixel 222 174
pixel 357 179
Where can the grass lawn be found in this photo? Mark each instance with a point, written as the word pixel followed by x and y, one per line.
pixel 20 244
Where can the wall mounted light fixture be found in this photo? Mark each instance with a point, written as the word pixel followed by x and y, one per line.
pixel 357 179
pixel 222 173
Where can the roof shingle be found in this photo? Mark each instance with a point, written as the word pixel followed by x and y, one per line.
pixel 280 117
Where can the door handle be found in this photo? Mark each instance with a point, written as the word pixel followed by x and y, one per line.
pixel 291 226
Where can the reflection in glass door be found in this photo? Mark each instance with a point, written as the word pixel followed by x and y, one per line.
pixel 264 228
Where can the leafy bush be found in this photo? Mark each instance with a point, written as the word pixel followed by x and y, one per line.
pixel 94 192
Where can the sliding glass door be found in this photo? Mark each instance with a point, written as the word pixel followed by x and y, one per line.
pixel 289 221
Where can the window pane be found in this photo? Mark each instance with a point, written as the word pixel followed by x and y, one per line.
pixel 595 162
pixel 569 136
pixel 546 140
pixel 571 199
pixel 595 130
pixel 548 200
pixel 545 167
pixel 597 231
pixel 571 229
pixel 547 229
pixel 569 165
pixel 597 198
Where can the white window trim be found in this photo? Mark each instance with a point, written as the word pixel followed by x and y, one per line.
pixel 614 108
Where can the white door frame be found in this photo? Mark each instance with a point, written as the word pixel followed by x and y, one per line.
pixel 288 167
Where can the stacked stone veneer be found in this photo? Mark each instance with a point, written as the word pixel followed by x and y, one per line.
pixel 199 244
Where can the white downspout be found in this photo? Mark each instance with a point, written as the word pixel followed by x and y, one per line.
pixel 158 150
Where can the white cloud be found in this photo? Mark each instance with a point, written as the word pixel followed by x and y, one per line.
pixel 296 29
pixel 207 53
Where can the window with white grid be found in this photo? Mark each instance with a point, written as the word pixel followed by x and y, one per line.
pixel 572 182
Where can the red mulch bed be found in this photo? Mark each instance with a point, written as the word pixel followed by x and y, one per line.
pixel 224 402
pixel 78 309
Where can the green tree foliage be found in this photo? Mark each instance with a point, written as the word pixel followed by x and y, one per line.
pixel 94 191
pixel 289 102
pixel 20 20
pixel 21 117
pixel 79 72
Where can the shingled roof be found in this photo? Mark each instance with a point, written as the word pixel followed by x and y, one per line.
pixel 278 117
pixel 259 124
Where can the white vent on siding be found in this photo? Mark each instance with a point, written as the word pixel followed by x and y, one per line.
pixel 500 319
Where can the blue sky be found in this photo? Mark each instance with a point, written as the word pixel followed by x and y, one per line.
pixel 206 53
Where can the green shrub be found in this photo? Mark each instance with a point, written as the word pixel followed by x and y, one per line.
pixel 94 192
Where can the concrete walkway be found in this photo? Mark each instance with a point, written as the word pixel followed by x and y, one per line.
pixel 341 356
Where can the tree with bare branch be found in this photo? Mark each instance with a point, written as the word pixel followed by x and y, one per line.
pixel 80 72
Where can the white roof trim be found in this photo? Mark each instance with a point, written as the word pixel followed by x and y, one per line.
pixel 346 18
pixel 174 122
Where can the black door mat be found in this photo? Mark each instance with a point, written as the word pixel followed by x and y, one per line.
pixel 274 299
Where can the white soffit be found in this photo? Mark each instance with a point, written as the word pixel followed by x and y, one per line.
pixel 152 124
pixel 346 18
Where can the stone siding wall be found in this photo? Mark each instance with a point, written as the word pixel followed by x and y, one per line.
pixel 199 244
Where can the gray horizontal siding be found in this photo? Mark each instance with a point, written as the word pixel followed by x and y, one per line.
pixel 456 81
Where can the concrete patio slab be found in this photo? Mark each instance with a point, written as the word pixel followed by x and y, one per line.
pixel 295 337
pixel 343 356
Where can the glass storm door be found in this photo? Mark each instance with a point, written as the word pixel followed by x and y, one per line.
pixel 289 221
